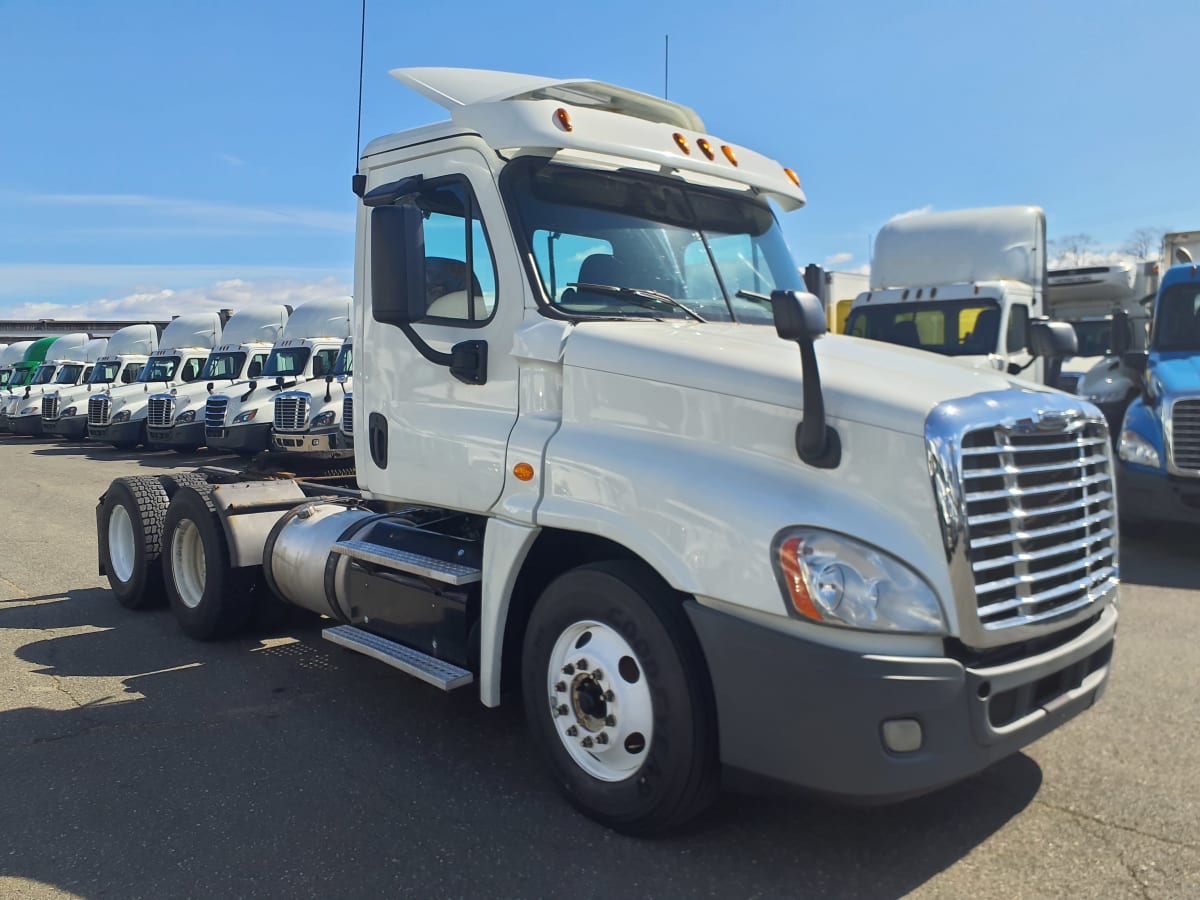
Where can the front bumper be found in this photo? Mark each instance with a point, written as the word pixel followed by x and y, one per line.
pixel 4 426
pixel 74 428
pixel 321 444
pixel 118 433
pixel 185 436
pixel 28 426
pixel 812 716
pixel 239 438
pixel 1157 497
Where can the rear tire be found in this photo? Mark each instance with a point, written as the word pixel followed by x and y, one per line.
pixel 635 747
pixel 130 528
pixel 210 598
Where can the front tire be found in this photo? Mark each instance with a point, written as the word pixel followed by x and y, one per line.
pixel 618 697
pixel 130 530
pixel 210 598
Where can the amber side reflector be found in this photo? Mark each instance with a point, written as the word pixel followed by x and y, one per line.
pixel 564 119
pixel 682 143
pixel 729 154
pixel 523 472
pixel 705 148
pixel 789 563
pixel 792 176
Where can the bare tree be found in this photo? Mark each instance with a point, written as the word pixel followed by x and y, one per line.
pixel 1144 243
pixel 1072 249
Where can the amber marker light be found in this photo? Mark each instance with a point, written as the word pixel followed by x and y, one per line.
pixel 705 147
pixel 792 176
pixel 729 154
pixel 523 472
pixel 682 143
pixel 797 587
pixel 564 119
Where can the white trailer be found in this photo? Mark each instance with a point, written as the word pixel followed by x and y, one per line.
pixel 1181 247
pixel 605 465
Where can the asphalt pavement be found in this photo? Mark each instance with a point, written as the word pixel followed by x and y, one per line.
pixel 135 762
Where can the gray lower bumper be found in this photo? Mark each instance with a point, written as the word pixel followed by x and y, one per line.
pixel 1149 497
pixel 26 425
pixel 327 444
pixel 177 436
pixel 74 428
pixel 812 716
pixel 239 438
pixel 119 434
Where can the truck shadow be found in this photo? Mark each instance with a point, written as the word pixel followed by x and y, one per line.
pixel 1161 558
pixel 282 765
pixel 156 458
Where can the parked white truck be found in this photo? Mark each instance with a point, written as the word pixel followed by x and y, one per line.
pixel 309 422
pixel 175 418
pixel 591 472
pixel 117 415
pixel 68 361
pixel 64 411
pixel 966 284
pixel 9 357
pixel 240 416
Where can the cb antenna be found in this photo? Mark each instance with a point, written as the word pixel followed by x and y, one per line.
pixel 666 64
pixel 362 46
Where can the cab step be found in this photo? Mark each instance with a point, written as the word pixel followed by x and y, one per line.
pixel 406 561
pixel 429 669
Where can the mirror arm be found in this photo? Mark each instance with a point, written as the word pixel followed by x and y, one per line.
pixel 467 361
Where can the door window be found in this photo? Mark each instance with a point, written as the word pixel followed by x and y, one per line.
pixel 1018 327
pixel 460 273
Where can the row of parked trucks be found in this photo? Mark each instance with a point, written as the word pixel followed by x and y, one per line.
pixel 264 378
pixel 609 464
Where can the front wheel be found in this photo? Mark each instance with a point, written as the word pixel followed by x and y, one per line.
pixel 618 697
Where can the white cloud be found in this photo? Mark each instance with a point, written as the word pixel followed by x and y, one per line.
pixel 163 303
pixel 920 211
pixel 838 259
pixel 69 282
pixel 230 160
pixel 863 269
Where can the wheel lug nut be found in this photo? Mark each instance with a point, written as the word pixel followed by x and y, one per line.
pixel 560 687
pixel 568 669
pixel 609 696
pixel 572 731
pixel 581 665
pixel 561 711
pixel 598 675
pixel 587 742
pixel 602 738
pixel 610 721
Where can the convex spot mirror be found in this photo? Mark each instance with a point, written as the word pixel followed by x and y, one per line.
pixel 397 264
pixel 1121 333
pixel 1052 339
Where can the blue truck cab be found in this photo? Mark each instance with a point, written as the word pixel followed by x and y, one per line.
pixel 1159 445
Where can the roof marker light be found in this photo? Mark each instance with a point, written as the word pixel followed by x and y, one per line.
pixel 792 176
pixel 682 143
pixel 729 154
pixel 705 147
pixel 564 119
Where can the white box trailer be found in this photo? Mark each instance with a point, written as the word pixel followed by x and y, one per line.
pixel 602 463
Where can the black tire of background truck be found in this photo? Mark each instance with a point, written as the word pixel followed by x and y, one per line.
pixel 227 600
pixel 188 450
pixel 681 774
pixel 145 501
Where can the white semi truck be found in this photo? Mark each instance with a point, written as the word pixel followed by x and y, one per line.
pixel 966 284
pixel 117 415
pixel 64 411
pixel 175 418
pixel 605 467
pixel 309 422
pixel 1180 247
pixel 68 361
pixel 240 416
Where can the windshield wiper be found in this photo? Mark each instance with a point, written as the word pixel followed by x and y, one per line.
pixel 637 294
pixel 753 295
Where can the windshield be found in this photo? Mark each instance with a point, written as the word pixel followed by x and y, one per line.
pixel 68 374
pixel 1177 318
pixel 950 327
pixel 45 374
pixel 160 368
pixel 286 361
pixel 224 365
pixel 1095 337
pixel 699 248
pixel 345 362
pixel 104 372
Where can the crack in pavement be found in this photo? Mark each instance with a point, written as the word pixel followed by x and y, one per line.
pixel 1096 820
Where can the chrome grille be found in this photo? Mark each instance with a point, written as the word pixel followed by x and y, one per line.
pixel 50 406
pixel 214 412
pixel 98 408
pixel 348 414
pixel 291 412
pixel 159 411
pixel 1185 435
pixel 1040 521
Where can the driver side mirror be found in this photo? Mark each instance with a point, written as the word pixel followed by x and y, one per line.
pixel 1136 360
pixel 1050 340
pixel 1121 333
pixel 397 264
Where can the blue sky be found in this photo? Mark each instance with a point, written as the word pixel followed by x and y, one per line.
pixel 156 155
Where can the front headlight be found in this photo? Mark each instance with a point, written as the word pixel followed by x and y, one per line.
pixel 247 416
pixel 1135 449
pixel 184 417
pixel 69 411
pixel 1107 393
pixel 122 416
pixel 30 410
pixel 325 418
pixel 836 580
